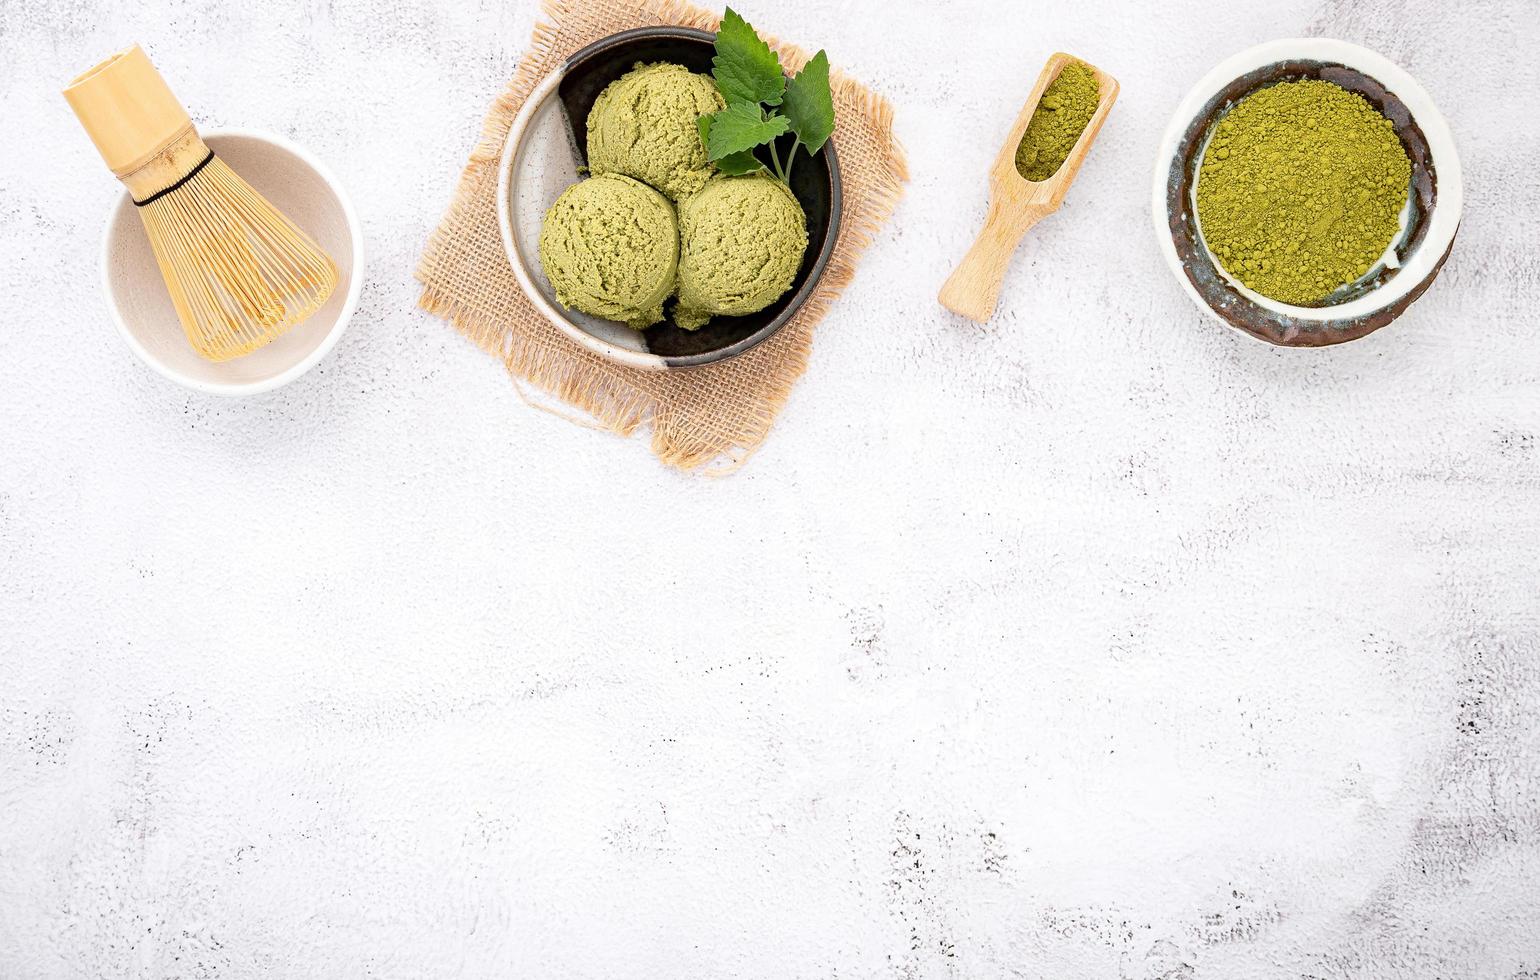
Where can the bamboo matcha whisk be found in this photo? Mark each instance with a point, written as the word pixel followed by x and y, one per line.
pixel 240 273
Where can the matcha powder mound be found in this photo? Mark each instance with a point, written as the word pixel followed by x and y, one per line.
pixel 1061 115
pixel 1301 190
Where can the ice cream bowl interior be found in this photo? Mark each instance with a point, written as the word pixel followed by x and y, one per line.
pixel 1429 220
pixel 546 151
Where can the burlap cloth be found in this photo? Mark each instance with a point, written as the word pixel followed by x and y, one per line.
pixel 713 416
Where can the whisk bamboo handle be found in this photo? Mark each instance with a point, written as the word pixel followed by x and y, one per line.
pixel 139 127
pixel 973 288
pixel 131 115
pixel 177 162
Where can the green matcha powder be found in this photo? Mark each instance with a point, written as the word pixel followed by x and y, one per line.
pixel 1061 116
pixel 1301 190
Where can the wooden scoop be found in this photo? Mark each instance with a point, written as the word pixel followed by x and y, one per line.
pixel 1016 204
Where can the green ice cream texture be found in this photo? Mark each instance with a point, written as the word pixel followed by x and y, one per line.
pixel 610 247
pixel 615 247
pixel 743 239
pixel 643 125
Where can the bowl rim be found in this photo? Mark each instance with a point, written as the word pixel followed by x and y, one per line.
pixel 1444 220
pixel 644 360
pixel 350 303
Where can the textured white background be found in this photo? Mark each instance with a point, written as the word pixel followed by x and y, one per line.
pixel 1096 642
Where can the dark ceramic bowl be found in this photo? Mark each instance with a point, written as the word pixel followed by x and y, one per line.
pixel 547 146
pixel 1430 220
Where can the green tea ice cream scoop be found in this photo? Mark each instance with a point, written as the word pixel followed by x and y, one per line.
pixel 644 125
pixel 610 247
pixel 743 239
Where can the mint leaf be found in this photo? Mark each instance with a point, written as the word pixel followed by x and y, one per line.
pixel 734 164
pixel 745 68
pixel 741 126
pixel 737 164
pixel 810 104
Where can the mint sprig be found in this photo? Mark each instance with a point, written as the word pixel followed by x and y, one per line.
pixel 810 105
pixel 762 105
pixel 745 68
pixel 733 164
pixel 742 126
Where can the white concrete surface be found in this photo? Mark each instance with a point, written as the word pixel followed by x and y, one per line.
pixel 1098 642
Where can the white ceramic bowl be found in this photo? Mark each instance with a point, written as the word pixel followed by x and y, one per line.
pixel 1429 222
pixel 300 186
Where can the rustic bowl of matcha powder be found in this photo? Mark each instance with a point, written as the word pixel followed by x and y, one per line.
pixel 1307 192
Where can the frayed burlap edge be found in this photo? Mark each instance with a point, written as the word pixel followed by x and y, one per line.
pixel 623 399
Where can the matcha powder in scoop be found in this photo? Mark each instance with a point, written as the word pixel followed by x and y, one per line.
pixel 1062 114
pixel 1301 190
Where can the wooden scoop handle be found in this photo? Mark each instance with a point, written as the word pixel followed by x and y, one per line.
pixel 973 289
